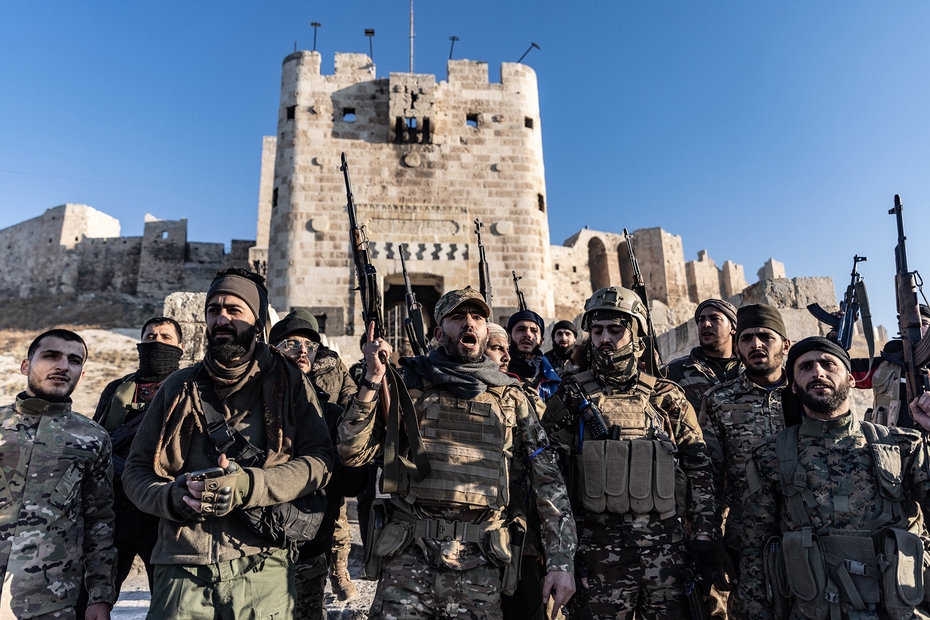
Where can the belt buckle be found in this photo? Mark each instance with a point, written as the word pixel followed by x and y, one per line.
pixel 445 530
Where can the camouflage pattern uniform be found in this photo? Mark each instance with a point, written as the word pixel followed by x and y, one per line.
pixel 843 495
pixel 737 415
pixel 56 510
pixel 455 578
pixel 696 373
pixel 632 561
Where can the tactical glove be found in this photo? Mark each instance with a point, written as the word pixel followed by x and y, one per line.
pixel 223 493
pixel 702 554
pixel 178 492
pixel 727 576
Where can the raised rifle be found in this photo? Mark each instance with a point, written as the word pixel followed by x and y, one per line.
pixel 651 354
pixel 413 324
pixel 906 282
pixel 394 399
pixel 855 302
pixel 484 273
pixel 521 300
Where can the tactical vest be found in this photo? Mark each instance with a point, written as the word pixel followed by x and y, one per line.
pixel 881 565
pixel 634 471
pixel 121 404
pixel 465 441
pixel 886 391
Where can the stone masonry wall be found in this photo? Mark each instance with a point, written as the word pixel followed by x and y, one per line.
pixel 426 159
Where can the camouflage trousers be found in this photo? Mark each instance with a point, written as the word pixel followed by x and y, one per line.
pixel 624 580
pixel 411 589
pixel 258 587
pixel 342 533
pixel 310 581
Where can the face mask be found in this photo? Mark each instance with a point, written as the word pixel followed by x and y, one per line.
pixel 157 360
pixel 619 365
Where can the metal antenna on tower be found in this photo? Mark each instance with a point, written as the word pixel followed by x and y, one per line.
pixel 453 38
pixel 370 33
pixel 411 36
pixel 314 25
pixel 528 50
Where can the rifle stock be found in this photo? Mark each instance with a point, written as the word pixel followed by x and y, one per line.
pixel 916 377
pixel 521 300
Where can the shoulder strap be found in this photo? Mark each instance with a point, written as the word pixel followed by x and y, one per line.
pixel 226 439
pixel 793 476
pixel 588 382
pixel 878 437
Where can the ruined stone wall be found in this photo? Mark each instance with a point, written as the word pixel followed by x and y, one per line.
pixel 427 159
pixel 75 249
pixel 38 254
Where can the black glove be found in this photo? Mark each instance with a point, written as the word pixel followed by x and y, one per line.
pixel 178 492
pixel 702 554
pixel 727 576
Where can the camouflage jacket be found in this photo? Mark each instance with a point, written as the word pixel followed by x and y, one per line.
pixel 735 416
pixel 842 479
pixel 330 374
pixel 56 509
pixel 695 374
pixel 562 364
pixel 648 530
pixel 361 434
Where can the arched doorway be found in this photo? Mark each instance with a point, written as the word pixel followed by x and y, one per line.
pixel 597 264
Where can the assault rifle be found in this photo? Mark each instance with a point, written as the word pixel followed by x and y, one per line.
pixel 651 354
pixel 516 287
pixel 413 324
pixel 854 301
pixel 394 399
pixel 484 273
pixel 916 350
pixel 692 586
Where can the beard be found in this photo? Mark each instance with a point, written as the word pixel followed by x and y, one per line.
pixel 515 352
pixel 457 353
pixel 765 367
pixel 55 393
pixel 828 403
pixel 229 351
pixel 563 350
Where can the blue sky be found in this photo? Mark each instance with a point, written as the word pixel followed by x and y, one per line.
pixel 750 129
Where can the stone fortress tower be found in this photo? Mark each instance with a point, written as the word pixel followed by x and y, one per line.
pixel 426 159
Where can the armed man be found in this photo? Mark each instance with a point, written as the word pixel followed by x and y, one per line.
pixel 634 444
pixel 442 542
pixel 564 336
pixel 735 416
pixel 327 372
pixel 56 500
pixel 831 511
pixel 527 332
pixel 226 448
pixel 120 411
pixel 713 361
pixel 297 337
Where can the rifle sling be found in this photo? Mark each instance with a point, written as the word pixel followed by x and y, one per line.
pixel 401 406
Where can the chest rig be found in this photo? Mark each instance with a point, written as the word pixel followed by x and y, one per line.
pixel 634 469
pixel 828 573
pixel 467 443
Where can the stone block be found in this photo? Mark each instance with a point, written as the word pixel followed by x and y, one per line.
pixel 816 290
pixel 780 293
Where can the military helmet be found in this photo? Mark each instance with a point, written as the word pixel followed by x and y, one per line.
pixel 612 300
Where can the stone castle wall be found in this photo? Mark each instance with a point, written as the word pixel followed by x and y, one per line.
pixel 426 159
pixel 76 249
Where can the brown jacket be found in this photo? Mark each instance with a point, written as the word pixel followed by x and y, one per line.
pixel 172 441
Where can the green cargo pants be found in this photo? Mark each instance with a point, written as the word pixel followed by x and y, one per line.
pixel 258 587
